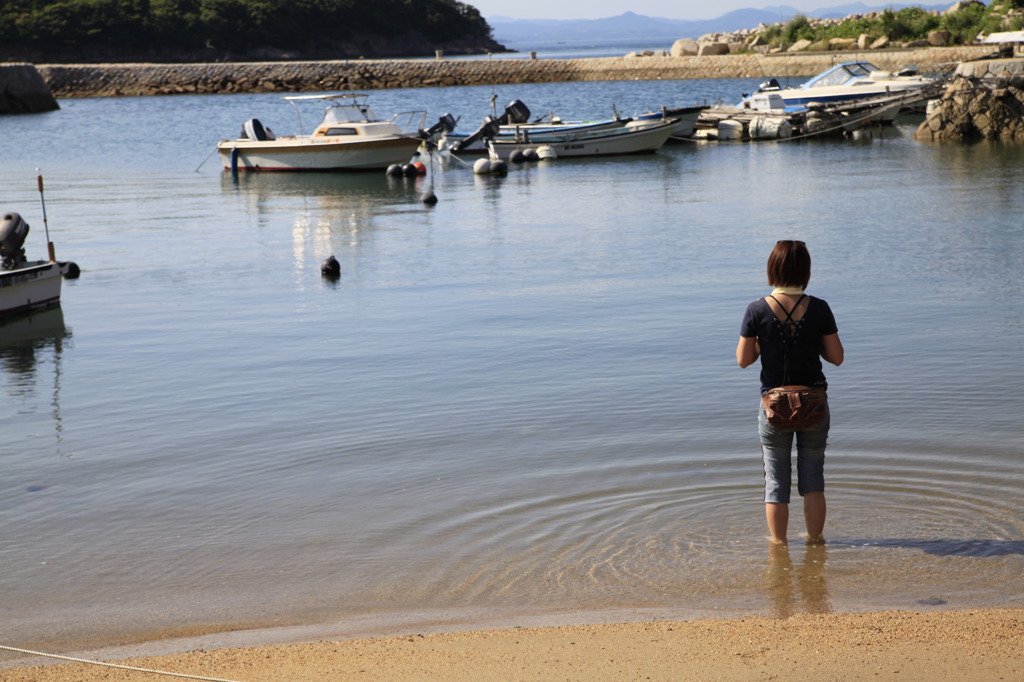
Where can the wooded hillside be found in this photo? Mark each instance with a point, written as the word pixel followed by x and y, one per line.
pixel 218 30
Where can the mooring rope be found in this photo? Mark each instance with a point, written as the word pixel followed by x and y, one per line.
pixel 113 665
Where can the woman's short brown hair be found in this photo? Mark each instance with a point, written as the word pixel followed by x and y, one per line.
pixel 789 265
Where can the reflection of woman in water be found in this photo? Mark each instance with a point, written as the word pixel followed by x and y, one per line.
pixel 791 331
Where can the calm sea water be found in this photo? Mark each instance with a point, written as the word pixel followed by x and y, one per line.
pixel 520 405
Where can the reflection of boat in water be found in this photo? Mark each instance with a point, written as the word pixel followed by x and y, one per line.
pixel 348 137
pixel 22 337
pixel 24 342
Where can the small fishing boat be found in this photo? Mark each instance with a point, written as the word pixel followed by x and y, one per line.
pixel 28 285
pixel 349 137
pixel 687 117
pixel 514 125
pixel 634 137
pixel 847 82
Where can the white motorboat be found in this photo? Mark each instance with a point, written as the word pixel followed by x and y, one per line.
pixel 635 137
pixel 514 125
pixel 687 117
pixel 349 137
pixel 844 83
pixel 27 285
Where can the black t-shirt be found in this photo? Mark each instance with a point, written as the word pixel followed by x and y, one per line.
pixel 789 358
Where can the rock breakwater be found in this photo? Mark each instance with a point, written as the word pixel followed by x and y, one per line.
pixel 111 80
pixel 985 101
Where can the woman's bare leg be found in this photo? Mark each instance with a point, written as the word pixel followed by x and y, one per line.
pixel 814 516
pixel 778 521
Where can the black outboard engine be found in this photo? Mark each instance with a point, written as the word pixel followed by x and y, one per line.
pixel 13 231
pixel 769 86
pixel 515 112
pixel 445 124
pixel 489 129
pixel 254 130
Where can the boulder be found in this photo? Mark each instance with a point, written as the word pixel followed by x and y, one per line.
pixel 23 90
pixel 938 38
pixel 820 46
pixel 710 49
pixel 956 7
pixel 685 47
pixel 842 44
pixel 880 43
pixel 799 46
pixel 863 41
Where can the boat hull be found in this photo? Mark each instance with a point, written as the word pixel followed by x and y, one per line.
pixel 295 154
pixel 33 287
pixel 797 98
pixel 631 139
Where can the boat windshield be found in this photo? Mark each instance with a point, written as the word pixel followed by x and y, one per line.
pixel 841 74
pixel 349 113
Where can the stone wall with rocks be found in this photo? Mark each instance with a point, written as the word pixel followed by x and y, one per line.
pixel 23 90
pixel 985 101
pixel 108 80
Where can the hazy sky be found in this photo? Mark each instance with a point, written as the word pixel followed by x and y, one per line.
pixel 599 9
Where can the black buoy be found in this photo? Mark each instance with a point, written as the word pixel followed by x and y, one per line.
pixel 395 169
pixel 517 156
pixel 530 154
pixel 499 167
pixel 70 270
pixel 410 171
pixel 428 198
pixel 330 268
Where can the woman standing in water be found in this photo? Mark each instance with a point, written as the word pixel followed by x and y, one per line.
pixel 791 331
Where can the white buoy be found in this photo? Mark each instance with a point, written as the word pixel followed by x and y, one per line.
pixel 546 151
pixel 482 166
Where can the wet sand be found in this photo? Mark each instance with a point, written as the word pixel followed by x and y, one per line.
pixel 893 645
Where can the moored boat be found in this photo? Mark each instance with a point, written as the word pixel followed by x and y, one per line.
pixel 27 285
pixel 349 137
pixel 635 137
pixel 845 83
pixel 687 117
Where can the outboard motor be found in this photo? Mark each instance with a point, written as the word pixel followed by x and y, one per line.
pixel 254 130
pixel 515 112
pixel 769 86
pixel 445 124
pixel 489 129
pixel 13 231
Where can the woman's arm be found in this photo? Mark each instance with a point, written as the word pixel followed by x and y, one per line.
pixel 832 349
pixel 747 351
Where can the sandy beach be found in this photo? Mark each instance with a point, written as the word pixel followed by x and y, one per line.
pixel 892 645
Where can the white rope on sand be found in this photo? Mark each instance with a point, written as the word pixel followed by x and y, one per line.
pixel 112 665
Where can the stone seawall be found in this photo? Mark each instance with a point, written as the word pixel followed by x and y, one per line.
pixel 111 80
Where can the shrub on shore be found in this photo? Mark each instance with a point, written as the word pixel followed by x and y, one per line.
pixel 965 22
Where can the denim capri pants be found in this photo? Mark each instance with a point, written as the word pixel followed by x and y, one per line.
pixel 776 453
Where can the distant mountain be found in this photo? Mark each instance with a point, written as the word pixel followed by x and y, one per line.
pixel 523 34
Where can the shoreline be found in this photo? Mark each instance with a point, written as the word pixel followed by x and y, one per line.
pixel 979 644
